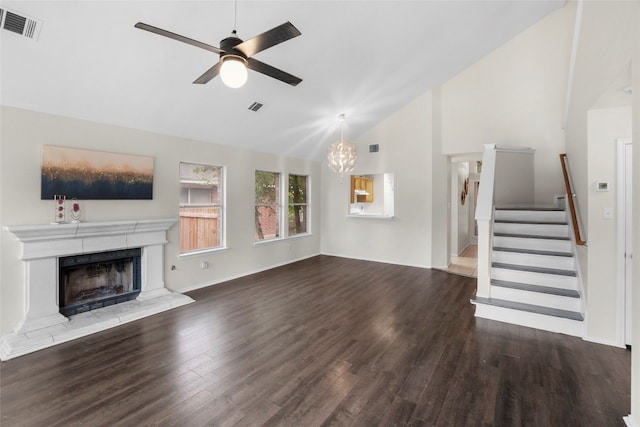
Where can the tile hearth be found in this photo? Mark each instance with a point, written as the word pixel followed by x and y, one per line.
pixel 79 325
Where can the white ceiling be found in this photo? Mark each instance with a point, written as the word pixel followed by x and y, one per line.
pixel 363 58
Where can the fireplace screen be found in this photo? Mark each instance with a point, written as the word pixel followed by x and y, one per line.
pixel 91 281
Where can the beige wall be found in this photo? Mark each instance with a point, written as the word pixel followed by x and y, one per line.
pixel 404 140
pixel 635 355
pixel 515 179
pixel 22 135
pixel 605 126
pixel 513 97
pixel 459 212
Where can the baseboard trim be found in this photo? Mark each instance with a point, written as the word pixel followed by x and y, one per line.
pixel 243 274
pixel 603 342
pixel 385 261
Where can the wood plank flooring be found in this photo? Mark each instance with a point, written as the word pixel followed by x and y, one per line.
pixel 323 342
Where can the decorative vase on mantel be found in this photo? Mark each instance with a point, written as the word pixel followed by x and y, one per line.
pixel 58 200
pixel 75 211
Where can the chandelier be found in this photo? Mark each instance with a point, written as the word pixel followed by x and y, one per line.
pixel 342 155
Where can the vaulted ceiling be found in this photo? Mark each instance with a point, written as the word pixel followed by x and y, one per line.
pixel 362 58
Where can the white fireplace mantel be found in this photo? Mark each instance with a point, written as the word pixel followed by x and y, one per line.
pixel 40 248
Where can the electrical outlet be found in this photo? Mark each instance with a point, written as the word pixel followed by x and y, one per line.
pixel 204 265
pixel 607 213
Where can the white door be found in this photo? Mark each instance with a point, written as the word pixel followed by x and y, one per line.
pixel 628 249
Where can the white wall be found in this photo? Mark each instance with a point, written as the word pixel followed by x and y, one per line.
pixel 513 97
pixel 605 126
pixel 605 47
pixel 604 51
pixel 404 140
pixel 22 135
pixel 515 179
pixel 635 355
pixel 440 188
pixel 459 213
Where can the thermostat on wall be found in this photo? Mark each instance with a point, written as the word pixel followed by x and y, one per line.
pixel 601 186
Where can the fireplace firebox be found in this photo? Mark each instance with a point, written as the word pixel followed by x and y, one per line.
pixel 91 281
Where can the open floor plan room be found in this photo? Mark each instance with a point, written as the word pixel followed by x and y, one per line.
pixel 324 341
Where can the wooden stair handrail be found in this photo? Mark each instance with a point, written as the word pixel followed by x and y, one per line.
pixel 570 196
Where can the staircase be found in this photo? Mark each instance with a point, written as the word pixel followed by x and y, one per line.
pixel 533 278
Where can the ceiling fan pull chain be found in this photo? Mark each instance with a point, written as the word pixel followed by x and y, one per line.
pixel 235 16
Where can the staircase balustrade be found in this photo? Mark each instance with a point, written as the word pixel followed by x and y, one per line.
pixel 573 203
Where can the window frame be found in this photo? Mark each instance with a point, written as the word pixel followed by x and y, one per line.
pixel 220 207
pixel 294 204
pixel 278 205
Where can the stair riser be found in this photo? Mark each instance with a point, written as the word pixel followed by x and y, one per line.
pixel 538 216
pixel 536 298
pixel 554 230
pixel 532 320
pixel 534 244
pixel 534 260
pixel 542 279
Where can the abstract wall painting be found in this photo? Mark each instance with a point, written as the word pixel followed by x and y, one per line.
pixel 95 175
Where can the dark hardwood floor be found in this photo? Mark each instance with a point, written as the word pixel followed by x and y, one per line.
pixel 326 341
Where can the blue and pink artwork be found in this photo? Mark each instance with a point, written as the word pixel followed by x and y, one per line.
pixel 95 175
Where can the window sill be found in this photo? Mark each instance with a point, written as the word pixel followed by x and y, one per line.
pixel 281 239
pixel 193 254
pixel 370 216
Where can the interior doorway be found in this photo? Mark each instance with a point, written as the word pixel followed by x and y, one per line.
pixel 625 248
pixel 464 182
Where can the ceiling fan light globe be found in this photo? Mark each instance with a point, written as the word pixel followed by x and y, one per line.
pixel 233 72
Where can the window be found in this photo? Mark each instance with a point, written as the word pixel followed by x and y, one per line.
pixel 267 205
pixel 298 208
pixel 201 207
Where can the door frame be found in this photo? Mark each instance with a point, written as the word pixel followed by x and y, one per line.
pixel 622 289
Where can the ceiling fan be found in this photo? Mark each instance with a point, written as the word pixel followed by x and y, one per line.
pixel 236 55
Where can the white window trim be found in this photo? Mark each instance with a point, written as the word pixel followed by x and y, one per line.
pixel 223 209
pixel 308 205
pixel 281 232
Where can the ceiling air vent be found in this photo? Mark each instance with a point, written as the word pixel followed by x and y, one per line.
pixel 20 24
pixel 255 106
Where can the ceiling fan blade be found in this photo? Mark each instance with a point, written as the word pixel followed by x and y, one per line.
pixel 208 75
pixel 270 71
pixel 178 37
pixel 270 38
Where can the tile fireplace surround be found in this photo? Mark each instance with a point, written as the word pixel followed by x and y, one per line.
pixel 41 246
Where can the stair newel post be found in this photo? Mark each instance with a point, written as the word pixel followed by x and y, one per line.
pixel 484 217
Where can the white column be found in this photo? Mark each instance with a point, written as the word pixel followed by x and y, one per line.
pixel 41 294
pixel 152 277
pixel 484 216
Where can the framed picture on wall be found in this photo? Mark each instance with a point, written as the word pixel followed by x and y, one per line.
pixel 94 175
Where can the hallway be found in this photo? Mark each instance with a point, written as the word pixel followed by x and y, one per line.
pixel 466 264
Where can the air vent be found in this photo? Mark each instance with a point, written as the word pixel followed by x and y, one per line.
pixel 373 148
pixel 20 24
pixel 255 106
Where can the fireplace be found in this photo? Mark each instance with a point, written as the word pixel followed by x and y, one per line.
pixel 91 281
pixel 134 251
